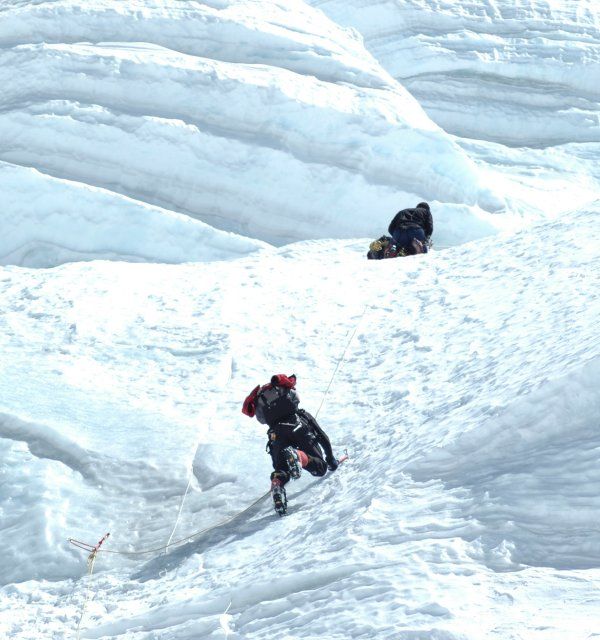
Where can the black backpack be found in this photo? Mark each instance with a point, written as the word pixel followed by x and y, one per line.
pixel 274 402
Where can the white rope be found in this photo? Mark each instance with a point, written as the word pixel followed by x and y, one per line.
pixel 189 484
pixel 88 547
pixel 340 360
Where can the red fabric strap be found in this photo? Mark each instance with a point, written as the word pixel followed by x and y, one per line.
pixel 249 407
pixel 289 382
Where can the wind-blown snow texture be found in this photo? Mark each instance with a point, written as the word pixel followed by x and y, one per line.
pixel 535 64
pixel 231 113
pixel 205 133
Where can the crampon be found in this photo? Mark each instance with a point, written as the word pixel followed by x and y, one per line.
pixel 293 462
pixel 279 497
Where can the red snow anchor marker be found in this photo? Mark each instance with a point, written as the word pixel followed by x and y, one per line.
pixel 104 537
pixel 92 556
pixel 93 549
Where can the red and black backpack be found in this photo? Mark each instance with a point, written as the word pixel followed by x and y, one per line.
pixel 274 401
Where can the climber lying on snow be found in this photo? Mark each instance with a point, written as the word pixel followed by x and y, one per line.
pixel 410 234
pixel 295 439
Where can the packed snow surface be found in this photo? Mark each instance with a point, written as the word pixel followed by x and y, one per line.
pixel 471 489
pixel 263 119
pixel 188 191
pixel 534 64
pixel 48 221
pixel 227 112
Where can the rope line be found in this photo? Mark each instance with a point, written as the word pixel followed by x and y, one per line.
pixel 190 476
pixel 95 549
pixel 189 484
pixel 88 547
pixel 340 360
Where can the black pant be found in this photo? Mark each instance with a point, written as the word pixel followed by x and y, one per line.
pixel 295 431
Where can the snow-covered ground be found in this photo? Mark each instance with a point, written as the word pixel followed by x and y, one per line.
pixel 533 65
pixel 245 138
pixel 48 221
pixel 467 400
pixel 257 146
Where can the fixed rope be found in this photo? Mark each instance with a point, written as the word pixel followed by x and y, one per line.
pixel 88 547
pixel 179 512
pixel 341 359
pixel 95 549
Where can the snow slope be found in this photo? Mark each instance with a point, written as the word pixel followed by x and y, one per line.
pixel 466 400
pixel 47 221
pixel 226 112
pixel 519 73
pixel 230 113
pixel 139 133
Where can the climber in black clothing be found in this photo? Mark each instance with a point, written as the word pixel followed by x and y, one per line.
pixel 296 441
pixel 411 229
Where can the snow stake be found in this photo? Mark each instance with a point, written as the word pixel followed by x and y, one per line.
pixel 92 557
pixel 93 549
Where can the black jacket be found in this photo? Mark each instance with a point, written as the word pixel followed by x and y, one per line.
pixel 322 438
pixel 301 430
pixel 412 219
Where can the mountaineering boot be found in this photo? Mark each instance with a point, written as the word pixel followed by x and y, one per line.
pixel 278 494
pixel 293 462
